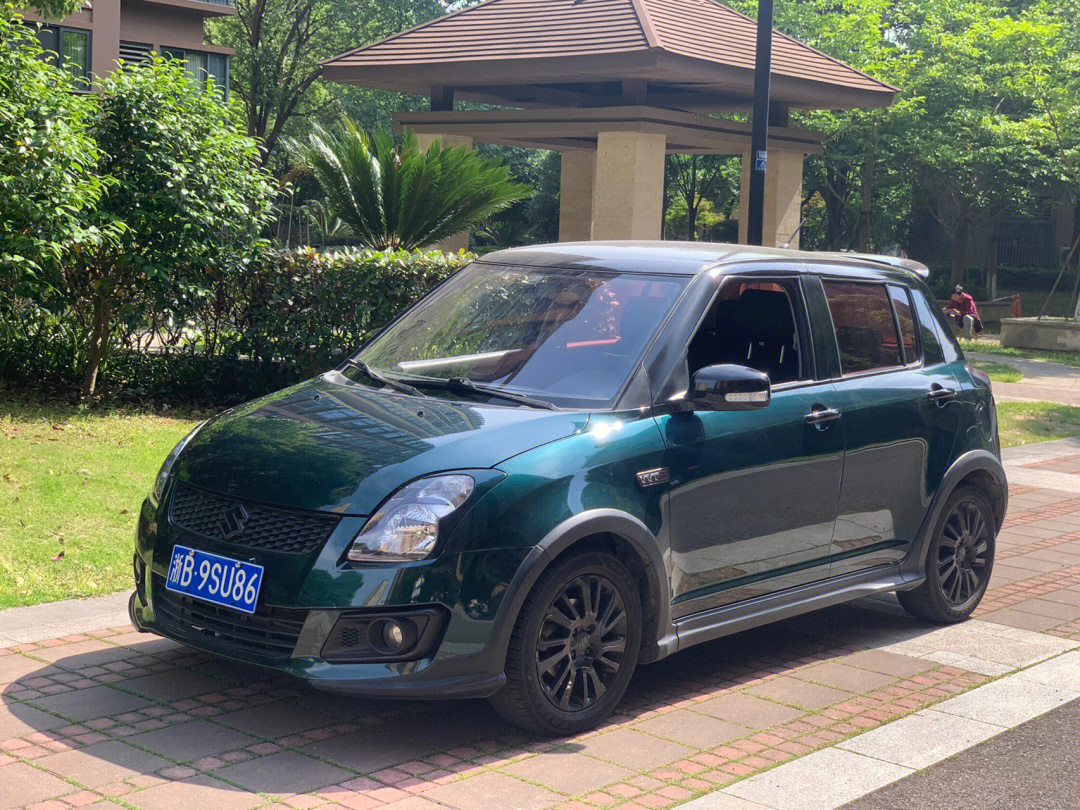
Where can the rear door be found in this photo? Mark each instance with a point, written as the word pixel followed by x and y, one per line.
pixel 898 400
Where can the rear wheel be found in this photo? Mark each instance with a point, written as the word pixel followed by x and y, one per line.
pixel 958 562
pixel 574 647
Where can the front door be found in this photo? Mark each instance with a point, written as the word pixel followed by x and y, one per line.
pixel 753 494
pixel 900 422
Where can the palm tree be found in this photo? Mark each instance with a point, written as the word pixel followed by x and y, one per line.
pixel 394 195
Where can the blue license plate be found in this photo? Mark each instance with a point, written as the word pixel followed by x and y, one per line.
pixel 212 578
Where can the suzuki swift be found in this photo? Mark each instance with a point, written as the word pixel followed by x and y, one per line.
pixel 570 460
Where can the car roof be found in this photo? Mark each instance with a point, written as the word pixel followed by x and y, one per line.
pixel 691 258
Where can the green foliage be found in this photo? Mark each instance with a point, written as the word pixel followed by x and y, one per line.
pixel 398 196
pixel 183 190
pixel 47 161
pixel 264 321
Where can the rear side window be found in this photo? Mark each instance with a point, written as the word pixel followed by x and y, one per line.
pixel 906 321
pixel 865 329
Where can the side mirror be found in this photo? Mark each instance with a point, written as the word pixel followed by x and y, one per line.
pixel 729 388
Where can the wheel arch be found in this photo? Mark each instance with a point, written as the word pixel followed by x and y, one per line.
pixel 612 531
pixel 980 468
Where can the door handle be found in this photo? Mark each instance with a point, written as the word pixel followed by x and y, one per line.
pixel 939 394
pixel 821 417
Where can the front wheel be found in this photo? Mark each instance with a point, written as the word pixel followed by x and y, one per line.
pixel 958 562
pixel 574 647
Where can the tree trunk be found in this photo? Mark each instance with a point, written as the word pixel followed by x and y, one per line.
pixel 959 249
pixel 867 199
pixel 991 263
pixel 99 342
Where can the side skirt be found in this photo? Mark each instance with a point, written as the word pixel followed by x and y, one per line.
pixel 723 621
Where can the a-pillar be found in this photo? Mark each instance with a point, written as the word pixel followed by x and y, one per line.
pixel 628 188
pixel 459 241
pixel 576 195
pixel 783 198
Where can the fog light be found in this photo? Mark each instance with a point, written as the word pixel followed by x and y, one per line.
pixel 392 636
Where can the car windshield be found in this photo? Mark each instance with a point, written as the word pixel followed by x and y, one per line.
pixel 564 336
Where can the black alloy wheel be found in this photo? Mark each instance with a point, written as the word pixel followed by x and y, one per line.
pixel 574 646
pixel 959 560
pixel 582 642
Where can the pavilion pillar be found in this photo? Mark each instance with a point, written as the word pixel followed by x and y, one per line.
pixel 628 188
pixel 783 198
pixel 576 194
pixel 459 241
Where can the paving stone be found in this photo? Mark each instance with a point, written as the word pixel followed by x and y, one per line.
pixel 568 772
pixel 823 780
pixel 842 676
pixel 174 684
pixel 17 720
pixel 103 763
pixel 887 663
pixel 285 772
pixel 1007 702
pixel 790 690
pixel 749 711
pixel 1062 672
pixel 919 740
pixel 364 751
pixel 1060 611
pixel 23 785
pixel 632 749
pixel 89 653
pixel 197 792
pixel 1015 617
pixel 13 667
pixel 719 800
pixel 273 720
pixel 193 740
pixel 490 790
pixel 97 701
pixel 693 729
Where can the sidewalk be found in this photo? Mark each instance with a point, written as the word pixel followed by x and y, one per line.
pixel 92 716
pixel 1043 381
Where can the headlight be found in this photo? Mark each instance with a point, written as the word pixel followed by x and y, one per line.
pixel 158 489
pixel 406 526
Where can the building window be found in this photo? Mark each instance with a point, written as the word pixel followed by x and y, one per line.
pixel 69 48
pixel 204 66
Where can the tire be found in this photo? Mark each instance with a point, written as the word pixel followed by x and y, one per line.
pixel 959 560
pixel 578 607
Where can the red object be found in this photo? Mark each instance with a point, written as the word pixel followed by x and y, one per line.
pixel 1016 311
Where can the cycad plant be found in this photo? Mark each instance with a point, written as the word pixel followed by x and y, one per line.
pixel 392 194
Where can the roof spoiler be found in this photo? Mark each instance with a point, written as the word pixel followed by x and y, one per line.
pixel 912 266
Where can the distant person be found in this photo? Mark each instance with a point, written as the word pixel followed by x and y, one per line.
pixel 961 307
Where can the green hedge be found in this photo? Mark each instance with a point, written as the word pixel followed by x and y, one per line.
pixel 265 321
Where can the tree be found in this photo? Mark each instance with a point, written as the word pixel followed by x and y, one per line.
pixel 47 162
pixel 398 196
pixel 697 183
pixel 183 189
pixel 279 46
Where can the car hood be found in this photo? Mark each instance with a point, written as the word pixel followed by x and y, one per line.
pixel 335 445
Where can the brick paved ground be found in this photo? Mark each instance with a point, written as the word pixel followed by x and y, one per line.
pixel 113 719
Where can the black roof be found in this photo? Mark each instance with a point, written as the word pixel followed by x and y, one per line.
pixel 691 258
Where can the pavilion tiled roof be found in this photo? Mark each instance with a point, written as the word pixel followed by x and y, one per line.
pixel 706 32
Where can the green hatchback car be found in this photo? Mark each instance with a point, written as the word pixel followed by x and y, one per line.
pixel 569 460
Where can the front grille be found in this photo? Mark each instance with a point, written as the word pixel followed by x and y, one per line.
pixel 248 524
pixel 269 631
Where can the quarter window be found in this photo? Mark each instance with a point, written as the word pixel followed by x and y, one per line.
pixel 865 329
pixel 904 318
pixel 932 350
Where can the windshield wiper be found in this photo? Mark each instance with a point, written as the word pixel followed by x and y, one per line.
pixel 397 385
pixel 465 384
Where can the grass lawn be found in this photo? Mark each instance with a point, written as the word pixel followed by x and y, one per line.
pixel 994 347
pixel 1030 422
pixel 71 483
pixel 998 372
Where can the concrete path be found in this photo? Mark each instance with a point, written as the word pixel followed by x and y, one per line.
pixel 809 713
pixel 1043 381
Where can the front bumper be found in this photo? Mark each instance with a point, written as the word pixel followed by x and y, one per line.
pixel 302 601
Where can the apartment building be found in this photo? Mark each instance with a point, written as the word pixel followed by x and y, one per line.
pixel 89 42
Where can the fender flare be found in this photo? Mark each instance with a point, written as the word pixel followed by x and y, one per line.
pixel 566 534
pixel 913 566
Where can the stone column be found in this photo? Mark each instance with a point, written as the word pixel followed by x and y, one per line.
pixel 783 198
pixel 459 241
pixel 576 194
pixel 629 186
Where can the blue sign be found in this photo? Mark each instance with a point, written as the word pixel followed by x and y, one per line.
pixel 220 580
pixel 761 159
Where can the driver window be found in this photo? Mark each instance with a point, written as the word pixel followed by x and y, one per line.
pixel 751 323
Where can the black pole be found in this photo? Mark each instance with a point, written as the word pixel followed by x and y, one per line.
pixel 759 133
